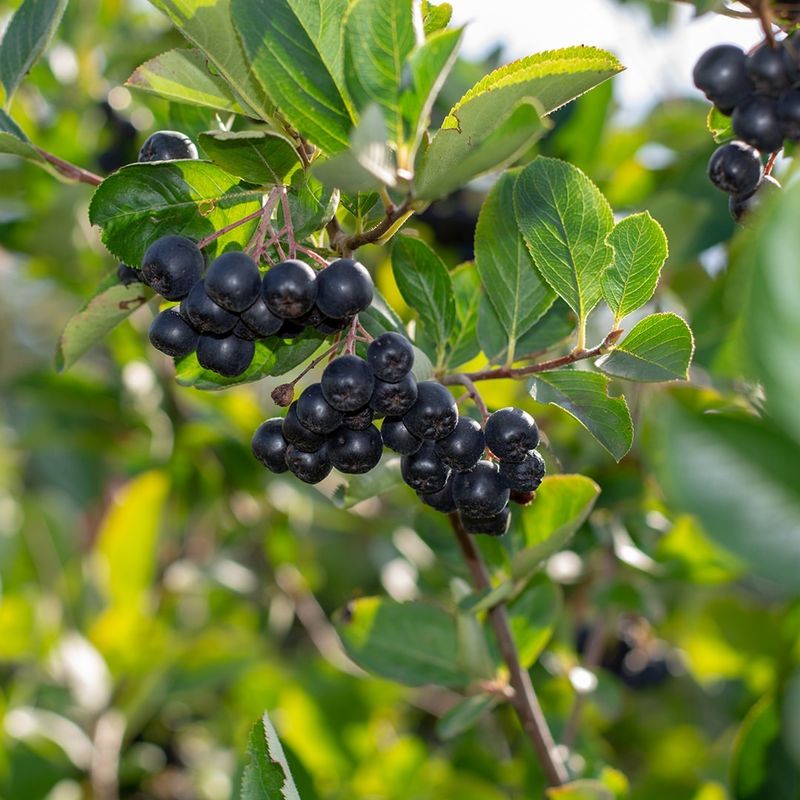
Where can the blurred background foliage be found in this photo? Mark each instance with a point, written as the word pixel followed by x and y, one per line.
pixel 158 589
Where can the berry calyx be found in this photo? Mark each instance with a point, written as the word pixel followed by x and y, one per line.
pixel 511 433
pixel 391 357
pixel 308 467
pixel 226 355
pixel 424 471
pixel 345 288
pixel 434 415
pixel 204 314
pixel 394 399
pixel 398 438
pixel 463 448
pixel 167 146
pixel 297 434
pixel 269 446
pixel 755 121
pixel 525 476
pixel 172 335
pixel 315 413
pixel 172 265
pixel 735 168
pixel 721 74
pixel 355 452
pixel 233 281
pixel 482 492
pixel 290 289
pixel 495 525
pixel 347 383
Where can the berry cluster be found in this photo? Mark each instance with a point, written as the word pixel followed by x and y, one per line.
pixel 443 455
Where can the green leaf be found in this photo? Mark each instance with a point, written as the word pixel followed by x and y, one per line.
pixel 435 17
pixel 311 204
pixel 720 126
pixel 425 284
pixel 12 145
pixel 267 775
pixel 110 305
pixel 533 616
pixel 183 76
pixel 411 643
pixel 584 395
pixel 580 790
pixel 290 46
pixel 142 202
pixel 209 27
pixel 462 346
pixel 565 221
pixel 378 37
pixel 738 476
pixel 381 479
pixel 7 125
pixel 658 348
pixel 462 716
pixel 380 317
pixel 640 250
pixel 517 292
pixel 260 157
pixel 562 504
pixel 273 356
pixel 30 30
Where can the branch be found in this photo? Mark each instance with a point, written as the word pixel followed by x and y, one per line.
pixel 472 391
pixel 525 702
pixel 69 170
pixel 347 244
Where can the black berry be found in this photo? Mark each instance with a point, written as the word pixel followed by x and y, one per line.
pixel 789 114
pixel 511 433
pixel 171 334
pixel 315 412
pixel 394 399
pixel 424 471
pixel 233 281
pixel 269 445
pixel 243 332
pixel 330 325
pixel 205 314
pixel 309 467
pixel 766 68
pixel 721 74
pixel 398 438
pixel 128 275
pixel 526 475
pixel 226 355
pixel 391 357
pixel 463 448
pixel 496 525
pixel 435 413
pixel 290 330
pixel 311 318
pixel 297 434
pixel 260 319
pixel 355 452
pixel 742 207
pixel 345 288
pixel 482 492
pixel 358 420
pixel 290 289
pixel 172 265
pixel 167 146
pixel 441 500
pixel 756 122
pixel 735 168
pixel 347 383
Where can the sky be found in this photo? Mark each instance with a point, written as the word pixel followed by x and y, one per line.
pixel 659 62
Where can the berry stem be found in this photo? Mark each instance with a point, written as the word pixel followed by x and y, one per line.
pixel 350 339
pixel 771 163
pixel 365 333
pixel 524 700
pixel 287 221
pixel 345 245
pixel 472 391
pixel 222 231
pixel 312 254
pixel 318 360
pixel 68 170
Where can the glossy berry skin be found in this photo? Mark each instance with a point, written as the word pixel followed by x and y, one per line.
pixel 742 207
pixel 205 314
pixel 464 447
pixel 435 413
pixel 290 289
pixel 172 265
pixel 442 500
pixel 260 319
pixel 128 275
pixel 735 168
pixel 756 122
pixel 482 492
pixel 766 68
pixel 358 420
pixel 511 433
pixel 398 438
pixel 309 467
pixel 226 355
pixel 394 399
pixel 355 452
pixel 720 73
pixel 495 525
pixel 345 288
pixel 391 357
pixel 167 146
pixel 347 383
pixel 423 471
pixel 789 114
pixel 297 434
pixel 269 446
pixel 233 281
pixel 171 334
pixel 525 476
pixel 315 412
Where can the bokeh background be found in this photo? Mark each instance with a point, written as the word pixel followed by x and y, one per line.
pixel 158 590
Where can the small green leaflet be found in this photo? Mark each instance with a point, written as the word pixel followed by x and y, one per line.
pixel 462 716
pixel 532 617
pixel 267 775
pixel 435 16
pixel 584 395
pixel 719 126
pixel 640 250
pixel 658 348
pixel 260 157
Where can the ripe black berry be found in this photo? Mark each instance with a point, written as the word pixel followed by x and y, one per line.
pixel 260 319
pixel 735 168
pixel 347 383
pixel 309 467
pixel 789 114
pixel 434 415
pixel 526 475
pixel 315 412
pixel 464 447
pixel 496 525
pixel 398 438
pixel 226 355
pixel 741 207
pixel 290 330
pixel 424 471
pixel 355 452
pixel 345 288
pixel 205 314
pixel 172 265
pixel 243 332
pixel 766 68
pixel 391 357
pixel 482 492
pixel 441 500
pixel 756 122
pixel 394 399
pixel 511 433
pixel 358 420
pixel 290 289
pixel 233 281
pixel 128 275
pixel 311 318
pixel 330 325
pixel 269 446
pixel 721 74
pixel 167 146
pixel 297 434
pixel 171 334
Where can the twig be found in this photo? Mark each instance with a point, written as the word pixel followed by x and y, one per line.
pixel 318 360
pixel 524 701
pixel 68 170
pixel 472 391
pixel 287 223
pixel 222 231
pixel 345 244
pixel 771 163
pixel 312 254
pixel 364 332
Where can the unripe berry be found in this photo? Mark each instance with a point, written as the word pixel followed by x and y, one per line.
pixel 297 434
pixel 167 146
pixel 394 399
pixel 496 525
pixel 526 475
pixel 398 438
pixel 345 288
pixel 309 467
pixel 315 413
pixel 434 415
pixel 721 74
pixel 226 355
pixel 171 334
pixel 735 168
pixel 391 357
pixel 233 281
pixel 290 289
pixel 756 122
pixel 204 314
pixel 511 433
pixel 269 446
pixel 355 452
pixel 347 383
pixel 172 265
pixel 483 492
pixel 424 471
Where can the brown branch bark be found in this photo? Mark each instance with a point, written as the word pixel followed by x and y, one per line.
pixel 345 244
pixel 68 170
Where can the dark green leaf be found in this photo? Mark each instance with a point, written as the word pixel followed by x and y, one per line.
pixel 380 317
pixel 267 775
pixel 311 204
pixel 260 157
pixel 462 716
pixel 463 342
pixel 532 617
